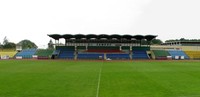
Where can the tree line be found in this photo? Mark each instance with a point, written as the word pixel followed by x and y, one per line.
pixel 25 44
pixel 183 39
pixel 11 45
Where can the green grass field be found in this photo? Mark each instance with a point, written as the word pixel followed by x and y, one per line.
pixel 32 78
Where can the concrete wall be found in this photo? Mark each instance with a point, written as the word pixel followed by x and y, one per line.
pixel 184 48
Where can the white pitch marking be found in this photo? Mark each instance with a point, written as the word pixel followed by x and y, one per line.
pixel 99 81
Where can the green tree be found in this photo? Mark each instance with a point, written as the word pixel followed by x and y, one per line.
pixel 9 45
pixel 50 45
pixel 156 41
pixel 1 46
pixel 26 44
pixel 5 40
pixel 182 39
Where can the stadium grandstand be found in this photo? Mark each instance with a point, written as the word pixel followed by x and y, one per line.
pixel 7 53
pixel 107 47
pixel 102 46
pixel 183 43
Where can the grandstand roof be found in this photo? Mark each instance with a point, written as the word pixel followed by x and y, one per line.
pixel 66 36
pixel 90 36
pixel 55 36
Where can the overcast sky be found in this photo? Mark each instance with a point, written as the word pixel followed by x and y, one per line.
pixel 34 19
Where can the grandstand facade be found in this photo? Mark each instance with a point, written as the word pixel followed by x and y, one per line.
pixel 183 43
pixel 106 47
pixel 103 46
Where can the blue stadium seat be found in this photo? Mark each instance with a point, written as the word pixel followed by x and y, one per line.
pixel 139 54
pixel 65 52
pixel 118 56
pixel 26 53
pixel 179 53
pixel 56 52
pixel 66 55
pixel 90 56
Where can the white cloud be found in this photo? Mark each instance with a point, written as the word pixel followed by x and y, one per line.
pixel 34 19
pixel 171 19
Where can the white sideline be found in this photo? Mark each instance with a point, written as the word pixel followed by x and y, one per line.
pixel 99 80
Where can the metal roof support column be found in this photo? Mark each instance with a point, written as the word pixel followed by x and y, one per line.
pixel 58 43
pixel 55 42
pixel 149 43
pixel 65 42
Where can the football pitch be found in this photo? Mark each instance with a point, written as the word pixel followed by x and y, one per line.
pixel 61 78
